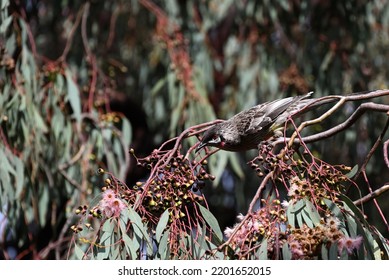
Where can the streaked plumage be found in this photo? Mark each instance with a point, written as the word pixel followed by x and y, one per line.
pixel 247 129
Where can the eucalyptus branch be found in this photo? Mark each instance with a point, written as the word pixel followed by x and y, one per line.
pixel 341 101
pixel 334 130
pixel 165 156
pixel 372 195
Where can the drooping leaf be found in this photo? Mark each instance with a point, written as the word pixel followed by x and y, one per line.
pixel 138 226
pixel 324 252
pixel 211 221
pixel 131 246
pixel 312 212
pixel 286 253
pixel 290 216
pixel 306 218
pixel 333 207
pixel 333 251
pixel 352 172
pixel 126 132
pixel 163 245
pixel 262 251
pixel 161 226
pixel 79 253
pixel 73 95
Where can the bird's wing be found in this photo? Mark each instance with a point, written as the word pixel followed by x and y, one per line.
pixel 265 114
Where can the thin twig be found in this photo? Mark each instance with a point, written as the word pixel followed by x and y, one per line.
pixel 73 160
pixel 112 23
pixel 259 191
pixel 372 195
pixel 69 41
pixel 336 129
pixel 165 159
pixel 372 150
pixel 386 159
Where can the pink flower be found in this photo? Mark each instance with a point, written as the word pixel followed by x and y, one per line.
pixel 256 226
pixel 228 231
pixel 240 217
pixel 333 222
pixel 293 187
pixel 108 196
pixel 349 244
pixel 285 204
pixel 111 205
pixel 117 207
pixel 296 250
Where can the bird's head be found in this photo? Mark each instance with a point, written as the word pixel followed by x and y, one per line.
pixel 212 137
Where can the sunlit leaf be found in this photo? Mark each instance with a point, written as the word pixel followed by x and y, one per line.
pixel 126 132
pixel 79 253
pixel 43 206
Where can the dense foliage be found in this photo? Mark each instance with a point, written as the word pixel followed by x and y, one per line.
pixel 82 82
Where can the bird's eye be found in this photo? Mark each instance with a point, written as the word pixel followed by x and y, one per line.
pixel 216 139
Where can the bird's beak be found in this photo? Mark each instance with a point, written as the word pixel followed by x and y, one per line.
pixel 200 146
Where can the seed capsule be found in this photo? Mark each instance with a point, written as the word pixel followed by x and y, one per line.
pixel 100 171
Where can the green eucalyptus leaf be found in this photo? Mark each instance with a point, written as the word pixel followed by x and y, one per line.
pixel 163 245
pixel 107 232
pixel 324 252
pixel 333 251
pixel 161 226
pixel 291 216
pixel 199 245
pixel 307 219
pixel 43 205
pixel 131 246
pixel 158 86
pixel 352 172
pixel 286 253
pixel 73 95
pixel 333 207
pixel 262 251
pixel 311 212
pixel 211 221
pixel 138 226
pixel 79 253
pixel 126 132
